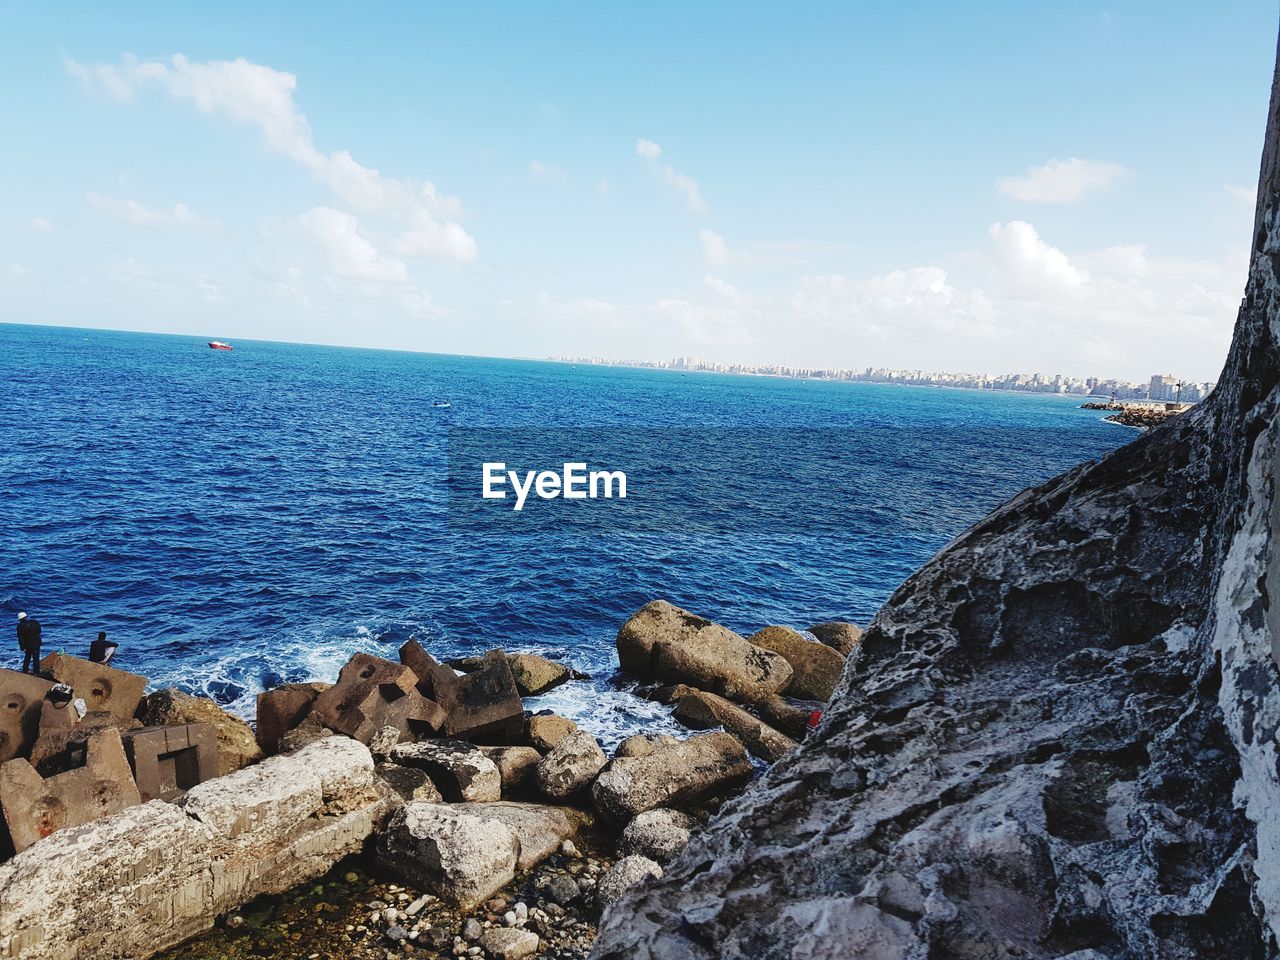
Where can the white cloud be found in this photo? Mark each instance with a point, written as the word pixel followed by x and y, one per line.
pixel 1061 181
pixel 132 212
pixel 431 239
pixel 726 290
pixel 683 184
pixel 42 225
pixel 1027 262
pixel 350 254
pixel 262 97
pixel 713 248
pixel 1028 305
pixel 546 171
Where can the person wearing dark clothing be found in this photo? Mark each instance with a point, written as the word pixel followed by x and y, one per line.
pixel 29 643
pixel 102 649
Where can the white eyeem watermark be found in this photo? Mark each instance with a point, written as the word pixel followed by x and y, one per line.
pixel 573 482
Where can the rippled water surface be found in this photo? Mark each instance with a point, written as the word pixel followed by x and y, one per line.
pixel 240 519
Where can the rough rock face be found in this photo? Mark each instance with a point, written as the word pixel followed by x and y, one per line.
pixel 237 745
pixel 459 770
pixel 838 635
pixel 658 834
pixel 628 872
pixel 1058 738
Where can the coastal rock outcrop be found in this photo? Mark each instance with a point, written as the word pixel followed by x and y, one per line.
pixel 1057 739
pixel 663 642
pixel 658 834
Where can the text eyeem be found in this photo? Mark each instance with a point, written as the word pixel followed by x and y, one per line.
pixel 573 482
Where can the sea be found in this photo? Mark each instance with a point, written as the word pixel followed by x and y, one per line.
pixel 236 520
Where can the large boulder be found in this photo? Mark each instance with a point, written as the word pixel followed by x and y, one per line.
pixel 539 828
pixel 534 674
pixel 663 642
pixel 517 766
pixel 545 730
pixel 643 744
pixel 657 834
pixel 455 854
pixel 571 766
pixel 1057 739
pixel 703 710
pixel 816 668
pixel 674 775
pixel 838 635
pixel 237 745
pixel 792 717
pixel 148 877
pixel 408 783
pixel 460 771
pixel 630 871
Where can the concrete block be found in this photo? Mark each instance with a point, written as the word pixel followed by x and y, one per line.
pixel 372 693
pixel 34 807
pixel 100 686
pixel 21 698
pixel 282 709
pixel 483 706
pixel 168 761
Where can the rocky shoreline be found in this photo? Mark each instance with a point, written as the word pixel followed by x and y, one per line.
pixel 1138 415
pixel 411 807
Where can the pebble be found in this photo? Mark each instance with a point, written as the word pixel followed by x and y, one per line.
pixel 471 930
pixel 396 934
pixel 413 908
pixel 522 911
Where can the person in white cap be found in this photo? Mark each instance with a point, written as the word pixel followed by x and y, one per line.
pixel 29 642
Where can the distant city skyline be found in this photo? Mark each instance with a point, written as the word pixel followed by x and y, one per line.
pixel 950 187
pixel 1158 387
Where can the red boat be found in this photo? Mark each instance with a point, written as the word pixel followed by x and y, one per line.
pixel 219 345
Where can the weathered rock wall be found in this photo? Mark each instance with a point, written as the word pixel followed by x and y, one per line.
pixel 1057 739
pixel 151 876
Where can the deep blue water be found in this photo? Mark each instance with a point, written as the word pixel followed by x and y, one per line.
pixel 241 519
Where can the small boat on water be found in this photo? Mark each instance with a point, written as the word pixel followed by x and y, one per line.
pixel 219 345
pixel 442 404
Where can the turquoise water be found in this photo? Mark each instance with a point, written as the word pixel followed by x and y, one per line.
pixel 240 519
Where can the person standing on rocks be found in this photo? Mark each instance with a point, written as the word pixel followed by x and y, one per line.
pixel 29 642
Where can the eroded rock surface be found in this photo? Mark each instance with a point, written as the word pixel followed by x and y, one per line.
pixel 1057 739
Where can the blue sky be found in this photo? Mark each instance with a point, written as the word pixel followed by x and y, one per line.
pixel 977 186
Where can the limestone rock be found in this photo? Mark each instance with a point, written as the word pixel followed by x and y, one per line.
pixel 408 783
pixel 307 732
pixel 792 717
pixel 628 872
pixel 702 710
pixel 534 674
pixel 545 731
pixel 838 635
pixel 674 775
pixel 540 829
pixel 152 875
pixel 237 745
pixel 570 766
pixel 816 668
pixel 663 642
pixel 508 943
pixel 1057 738
pixel 643 744
pixel 460 771
pixel 658 834
pixel 516 765
pixel 456 855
